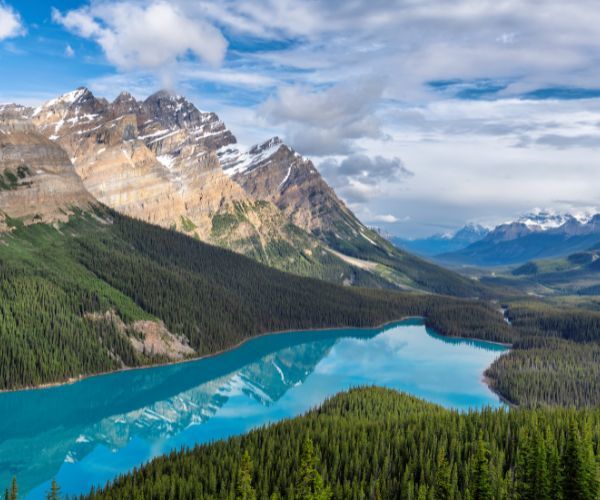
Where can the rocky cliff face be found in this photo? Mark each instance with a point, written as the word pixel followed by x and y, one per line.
pixel 156 160
pixel 164 161
pixel 37 180
pixel 273 171
pixel 153 159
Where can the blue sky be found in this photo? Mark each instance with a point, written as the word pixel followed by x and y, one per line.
pixel 421 117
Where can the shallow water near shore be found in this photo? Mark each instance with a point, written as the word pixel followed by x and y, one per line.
pixel 87 433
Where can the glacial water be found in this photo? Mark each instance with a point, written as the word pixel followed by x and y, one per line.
pixel 89 432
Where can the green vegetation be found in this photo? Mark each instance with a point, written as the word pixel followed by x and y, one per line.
pixel 187 225
pixel 57 285
pixel 9 180
pixel 69 297
pixel 355 241
pixel 377 443
pixel 288 249
pixel 555 359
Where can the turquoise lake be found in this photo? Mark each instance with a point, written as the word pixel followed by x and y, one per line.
pixel 89 432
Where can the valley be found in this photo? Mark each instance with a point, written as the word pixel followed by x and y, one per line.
pixel 295 250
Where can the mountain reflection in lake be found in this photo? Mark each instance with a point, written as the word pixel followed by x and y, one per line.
pixel 89 432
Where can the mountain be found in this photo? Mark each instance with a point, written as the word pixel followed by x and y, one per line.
pixel 164 161
pixel 539 235
pixel 575 274
pixel 443 243
pixel 155 160
pixel 276 172
pixel 37 180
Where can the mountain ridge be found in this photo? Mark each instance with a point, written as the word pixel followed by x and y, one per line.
pixel 542 234
pixel 159 160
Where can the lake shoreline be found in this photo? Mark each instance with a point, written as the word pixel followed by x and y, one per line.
pixel 74 380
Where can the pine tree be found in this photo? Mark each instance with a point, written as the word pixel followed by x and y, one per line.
pixel 245 491
pixel 54 493
pixel 575 485
pixel 590 465
pixel 14 489
pixel 533 481
pixel 481 488
pixel 443 479
pixel 310 483
pixel 554 467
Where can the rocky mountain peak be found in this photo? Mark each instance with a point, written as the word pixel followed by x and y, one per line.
pixel 78 99
pixel 272 144
pixel 172 110
pixel 236 162
pixel 124 97
pixel 73 109
pixel 124 104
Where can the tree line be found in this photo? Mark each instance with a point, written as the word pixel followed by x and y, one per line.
pixel 378 443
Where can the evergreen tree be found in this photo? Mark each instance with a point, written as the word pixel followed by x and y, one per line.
pixel 14 489
pixel 54 493
pixel 310 483
pixel 481 487
pixel 245 491
pixel 533 481
pixel 443 479
pixel 575 480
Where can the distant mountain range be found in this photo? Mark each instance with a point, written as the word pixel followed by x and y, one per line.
pixel 542 234
pixel 443 243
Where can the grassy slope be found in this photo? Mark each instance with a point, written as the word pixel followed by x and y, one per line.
pixel 52 278
pixel 378 443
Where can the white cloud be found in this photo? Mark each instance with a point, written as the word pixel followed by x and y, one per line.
pixel 360 178
pixel 10 22
pixel 388 218
pixel 69 52
pixel 151 36
pixel 350 78
pixel 325 122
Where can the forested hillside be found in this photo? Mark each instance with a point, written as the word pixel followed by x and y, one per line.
pixel 73 297
pixel 378 443
pixel 555 357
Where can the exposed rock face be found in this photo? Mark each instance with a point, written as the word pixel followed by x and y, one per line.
pixel 149 160
pixel 156 160
pixel 273 171
pixel 37 180
pixel 162 160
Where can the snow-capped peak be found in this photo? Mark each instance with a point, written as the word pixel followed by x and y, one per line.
pixel 545 219
pixel 65 100
pixel 235 162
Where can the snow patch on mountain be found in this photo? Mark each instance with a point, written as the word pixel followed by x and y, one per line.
pixel 546 219
pixel 234 161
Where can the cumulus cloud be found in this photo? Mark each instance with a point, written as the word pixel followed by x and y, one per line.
pixel 10 22
pixel 69 51
pixel 325 122
pixel 340 78
pixel 150 36
pixel 359 178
